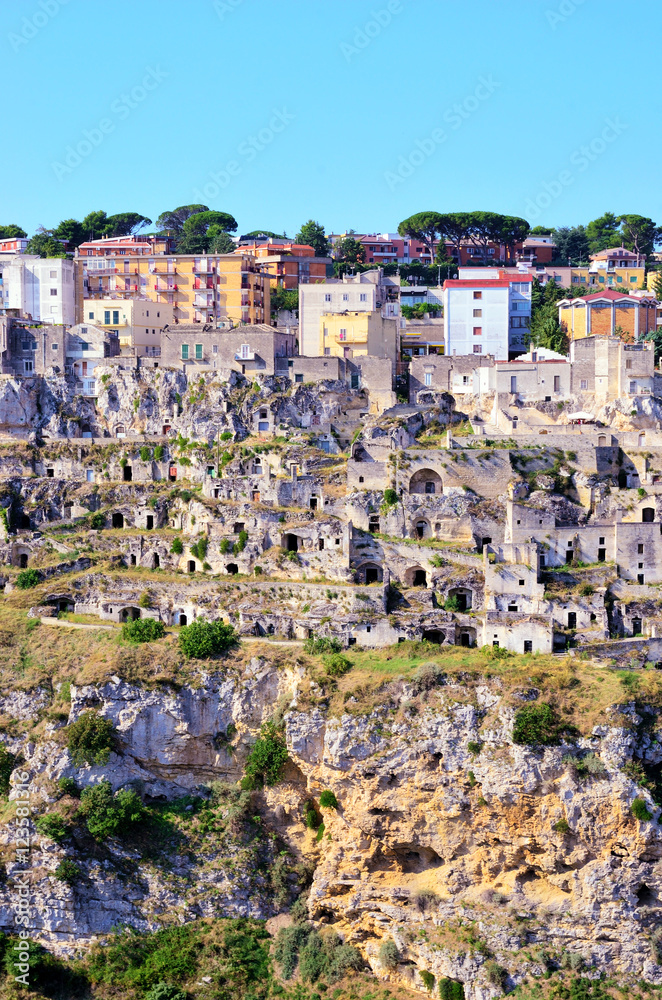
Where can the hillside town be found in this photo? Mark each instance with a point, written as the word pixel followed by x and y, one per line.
pixel 308 414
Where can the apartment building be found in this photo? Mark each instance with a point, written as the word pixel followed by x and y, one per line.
pixel 138 323
pixel 487 315
pixel 248 349
pixel 221 289
pixel 40 289
pixel 87 346
pixel 603 312
pixel 354 334
pixel 364 292
pixel 14 244
pixel 289 264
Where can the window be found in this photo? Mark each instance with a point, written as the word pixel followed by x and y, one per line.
pixel 106 316
pixel 327 351
pixel 327 297
pixel 478 331
pixel 640 549
pixel 54 347
pixel 478 349
pixel 53 274
pixel 184 352
pixel 521 583
pixel 28 365
pixel 363 297
pixel 428 378
pixel 354 380
pixel 528 646
pixel 298 377
pixel 116 316
pixel 214 349
pixel 342 333
pixel 245 351
pixel 557 383
pixel 478 313
pixel 53 291
pixel 198 352
pixel 345 297
pixel 513 383
pixel 84 346
pixel 90 315
pixel 478 295
pixel 583 383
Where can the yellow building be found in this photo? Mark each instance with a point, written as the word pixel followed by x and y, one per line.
pixel 352 334
pixel 220 289
pixel 594 277
pixel 137 322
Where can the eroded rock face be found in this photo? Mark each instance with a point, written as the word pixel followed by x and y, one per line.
pixel 428 836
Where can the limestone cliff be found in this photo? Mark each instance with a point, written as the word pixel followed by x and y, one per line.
pixel 480 858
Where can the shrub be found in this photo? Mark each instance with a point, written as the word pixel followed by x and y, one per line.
pixel 495 973
pixel 7 765
pixel 424 899
pixel 336 664
pixel 328 800
pixel 286 948
pixel 226 435
pixel 98 521
pixel 474 747
pixel 224 546
pixel 586 589
pixel 68 871
pixel 322 645
pixel 145 453
pixel 450 989
pixel 27 579
pixel 90 739
pixel 145 599
pixel 177 546
pixel 52 825
pixel 202 639
pixel 108 815
pixel 389 956
pixel 452 603
pixel 312 817
pixel 390 497
pixel 199 548
pixel 68 787
pixel 240 544
pixel 639 810
pixel 536 725
pixel 428 979
pixel 159 452
pixel 428 676
pixel 267 757
pixel 143 630
pixel 561 826
pixel 165 991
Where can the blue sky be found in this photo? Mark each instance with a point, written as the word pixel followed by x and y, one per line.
pixel 353 112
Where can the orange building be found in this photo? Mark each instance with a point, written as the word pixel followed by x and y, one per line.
pixel 601 313
pixel 289 264
pixel 221 289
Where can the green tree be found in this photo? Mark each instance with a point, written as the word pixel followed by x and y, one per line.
pixel 656 337
pixel 284 298
pixel 27 579
pixel 195 231
pixel 108 815
pixel 639 234
pixel 44 244
pixel 170 223
pixel 267 757
pixel 349 250
pixel 264 234
pixel 202 639
pixel 7 765
pixel 571 245
pixel 143 630
pixel 312 234
pixel 220 241
pixel 90 739
pixel 12 231
pixel 536 725
pixel 427 227
pixel 603 233
pixel 70 230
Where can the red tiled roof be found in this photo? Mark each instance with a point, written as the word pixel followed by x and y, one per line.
pixel 610 294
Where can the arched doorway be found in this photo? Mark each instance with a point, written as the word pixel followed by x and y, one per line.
pixel 648 515
pixel 466 637
pixel 462 596
pixel 129 614
pixel 180 618
pixel 118 519
pixel 422 528
pixel 434 635
pixel 426 481
pixel 23 560
pixel 191 565
pixel 370 573
pixel 416 576
pixel 232 569
pixel 291 543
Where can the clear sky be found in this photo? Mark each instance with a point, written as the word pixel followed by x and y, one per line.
pixel 354 112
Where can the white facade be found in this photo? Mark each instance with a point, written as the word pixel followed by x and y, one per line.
pixel 487 316
pixel 41 289
pixel 363 292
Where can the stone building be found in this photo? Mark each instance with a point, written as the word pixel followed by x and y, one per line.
pixel 246 349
